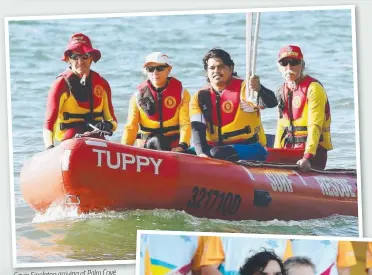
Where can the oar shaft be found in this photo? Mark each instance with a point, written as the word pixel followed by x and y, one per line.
pixel 248 39
pixel 255 42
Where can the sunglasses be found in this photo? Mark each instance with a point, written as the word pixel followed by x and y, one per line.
pixel 156 68
pixel 82 56
pixel 292 62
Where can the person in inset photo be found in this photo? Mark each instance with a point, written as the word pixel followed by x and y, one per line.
pixel 369 258
pixel 228 255
pixel 299 266
pixel 334 257
pixel 263 263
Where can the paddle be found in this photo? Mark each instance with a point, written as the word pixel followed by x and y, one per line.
pixel 248 41
pixel 254 57
pixel 251 55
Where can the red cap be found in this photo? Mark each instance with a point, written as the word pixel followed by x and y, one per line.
pixel 81 43
pixel 290 51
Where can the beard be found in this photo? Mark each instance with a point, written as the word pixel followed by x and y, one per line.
pixel 287 75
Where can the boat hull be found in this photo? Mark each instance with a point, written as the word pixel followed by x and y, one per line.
pixel 96 175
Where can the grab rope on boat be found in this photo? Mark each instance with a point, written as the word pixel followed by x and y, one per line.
pixel 296 166
pixel 69 200
pixel 96 133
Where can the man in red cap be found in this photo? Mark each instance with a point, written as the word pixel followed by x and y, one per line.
pixel 304 112
pixel 79 96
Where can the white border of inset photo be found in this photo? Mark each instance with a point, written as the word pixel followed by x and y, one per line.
pixel 11 167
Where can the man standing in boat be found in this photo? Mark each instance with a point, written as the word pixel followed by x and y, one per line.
pixel 79 96
pixel 158 112
pixel 223 125
pixel 304 111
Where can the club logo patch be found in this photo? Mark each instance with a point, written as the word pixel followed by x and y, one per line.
pixel 296 102
pixel 228 107
pixel 170 102
pixel 98 91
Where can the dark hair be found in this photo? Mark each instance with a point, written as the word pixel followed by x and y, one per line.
pixel 259 261
pixel 298 261
pixel 218 53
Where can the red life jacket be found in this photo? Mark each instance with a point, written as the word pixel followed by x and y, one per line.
pixel 299 97
pixel 162 106
pixel 87 97
pixel 228 100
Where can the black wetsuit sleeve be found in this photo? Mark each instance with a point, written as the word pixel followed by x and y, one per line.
pixel 199 138
pixel 267 98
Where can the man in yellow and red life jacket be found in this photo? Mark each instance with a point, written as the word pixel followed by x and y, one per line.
pixel 159 110
pixel 79 96
pixel 304 111
pixel 223 125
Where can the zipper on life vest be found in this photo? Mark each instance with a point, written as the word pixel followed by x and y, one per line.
pixel 91 103
pixel 160 105
pixel 291 129
pixel 218 104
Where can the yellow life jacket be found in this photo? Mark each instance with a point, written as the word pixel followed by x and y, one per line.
pixel 159 112
pixel 79 106
pixel 293 117
pixel 227 123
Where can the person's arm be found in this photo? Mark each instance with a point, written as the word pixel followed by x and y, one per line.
pixel 369 258
pixel 316 101
pixel 108 109
pixel 344 271
pixel 213 255
pixel 198 127
pixel 184 121
pixel 345 257
pixel 266 98
pixel 131 127
pixel 210 270
pixel 56 97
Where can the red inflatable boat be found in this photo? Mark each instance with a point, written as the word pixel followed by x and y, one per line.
pixel 97 175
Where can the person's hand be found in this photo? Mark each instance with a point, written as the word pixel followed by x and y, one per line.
pixel 304 164
pixel 178 149
pixel 203 155
pixel 254 83
pixel 104 126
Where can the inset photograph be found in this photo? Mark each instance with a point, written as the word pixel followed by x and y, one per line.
pixel 170 252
